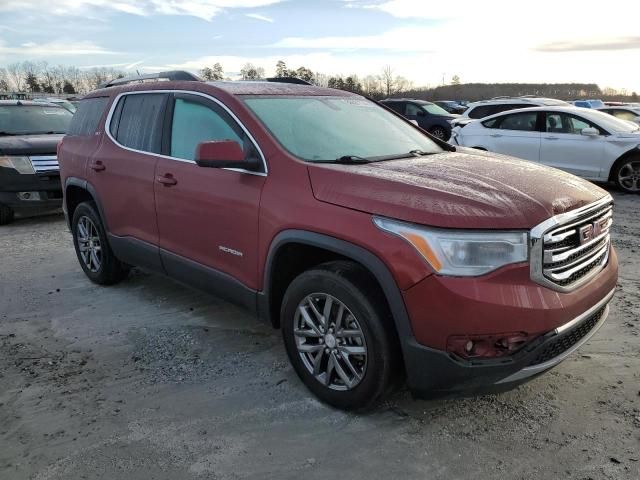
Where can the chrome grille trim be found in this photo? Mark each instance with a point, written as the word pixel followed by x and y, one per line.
pixel 556 255
pixel 45 163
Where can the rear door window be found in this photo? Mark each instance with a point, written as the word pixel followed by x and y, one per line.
pixel 137 121
pixel 85 120
pixel 523 121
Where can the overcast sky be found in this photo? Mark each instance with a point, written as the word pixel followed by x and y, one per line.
pixel 479 40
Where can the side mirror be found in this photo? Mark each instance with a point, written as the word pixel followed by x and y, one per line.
pixel 223 154
pixel 420 113
pixel 590 132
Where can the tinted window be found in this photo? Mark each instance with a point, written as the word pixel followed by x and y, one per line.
pixel 396 106
pixel 194 122
pixel 139 123
pixel 31 119
pixel 483 111
pixel 525 121
pixel 85 120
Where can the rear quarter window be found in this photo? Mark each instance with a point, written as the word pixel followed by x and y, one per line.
pixel 87 117
pixel 137 121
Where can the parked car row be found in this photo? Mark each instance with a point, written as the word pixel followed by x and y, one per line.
pixel 586 142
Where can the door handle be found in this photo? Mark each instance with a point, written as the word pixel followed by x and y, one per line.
pixel 496 135
pixel 98 166
pixel 551 138
pixel 167 180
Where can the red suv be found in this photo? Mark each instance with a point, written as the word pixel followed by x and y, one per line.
pixel 379 251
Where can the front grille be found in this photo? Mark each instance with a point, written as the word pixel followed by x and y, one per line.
pixel 45 163
pixel 578 247
pixel 565 341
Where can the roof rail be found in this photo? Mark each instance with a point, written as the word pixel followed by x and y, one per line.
pixel 297 81
pixel 169 75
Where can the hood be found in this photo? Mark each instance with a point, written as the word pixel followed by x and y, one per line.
pixel 464 189
pixel 29 144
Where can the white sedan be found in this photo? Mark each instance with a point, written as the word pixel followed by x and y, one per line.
pixel 587 143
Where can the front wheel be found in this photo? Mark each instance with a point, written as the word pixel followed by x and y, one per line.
pixel 6 215
pixel 627 174
pixel 339 336
pixel 94 253
pixel 439 132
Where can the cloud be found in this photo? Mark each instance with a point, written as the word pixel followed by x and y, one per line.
pixel 55 48
pixel 257 16
pixel 399 39
pixel 624 43
pixel 205 9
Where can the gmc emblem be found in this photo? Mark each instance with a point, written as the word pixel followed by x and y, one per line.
pixel 591 231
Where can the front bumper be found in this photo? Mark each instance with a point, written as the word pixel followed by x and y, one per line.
pixel 434 373
pixel 47 186
pixel 505 301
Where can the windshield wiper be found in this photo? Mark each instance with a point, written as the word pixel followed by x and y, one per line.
pixel 346 159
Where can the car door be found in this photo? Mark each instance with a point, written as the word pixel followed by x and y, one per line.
pixel 563 145
pixel 514 134
pixel 207 217
pixel 122 173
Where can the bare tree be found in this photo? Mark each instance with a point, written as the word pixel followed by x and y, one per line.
pixel 16 76
pixel 387 80
pixel 251 72
pixel 4 80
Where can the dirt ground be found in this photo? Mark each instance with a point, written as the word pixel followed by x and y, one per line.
pixel 151 380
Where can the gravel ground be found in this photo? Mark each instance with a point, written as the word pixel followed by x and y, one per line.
pixel 151 380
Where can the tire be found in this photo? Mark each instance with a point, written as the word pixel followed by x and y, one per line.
pixel 6 215
pixel 440 132
pixel 351 289
pixel 89 236
pixel 626 174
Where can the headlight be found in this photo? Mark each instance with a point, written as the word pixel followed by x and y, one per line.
pixel 21 164
pixel 459 252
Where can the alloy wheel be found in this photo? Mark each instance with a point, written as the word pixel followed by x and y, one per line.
pixel 330 341
pixel 89 244
pixel 438 133
pixel 629 176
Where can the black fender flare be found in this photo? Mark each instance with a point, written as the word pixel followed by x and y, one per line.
pixel 85 185
pixel 359 254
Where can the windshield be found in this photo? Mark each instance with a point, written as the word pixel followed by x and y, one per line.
pixel 32 119
pixel 434 109
pixel 327 128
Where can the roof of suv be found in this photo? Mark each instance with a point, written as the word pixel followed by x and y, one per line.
pixel 542 101
pixel 230 87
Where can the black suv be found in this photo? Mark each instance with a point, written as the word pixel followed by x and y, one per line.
pixel 428 115
pixel 29 173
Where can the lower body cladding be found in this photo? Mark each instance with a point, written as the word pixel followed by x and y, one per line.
pixel 546 327
pixel 31 193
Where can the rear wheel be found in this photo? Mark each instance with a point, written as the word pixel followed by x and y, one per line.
pixel 92 247
pixel 439 132
pixel 626 174
pixel 339 337
pixel 6 215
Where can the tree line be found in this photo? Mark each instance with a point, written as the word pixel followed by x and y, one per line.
pixel 40 77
